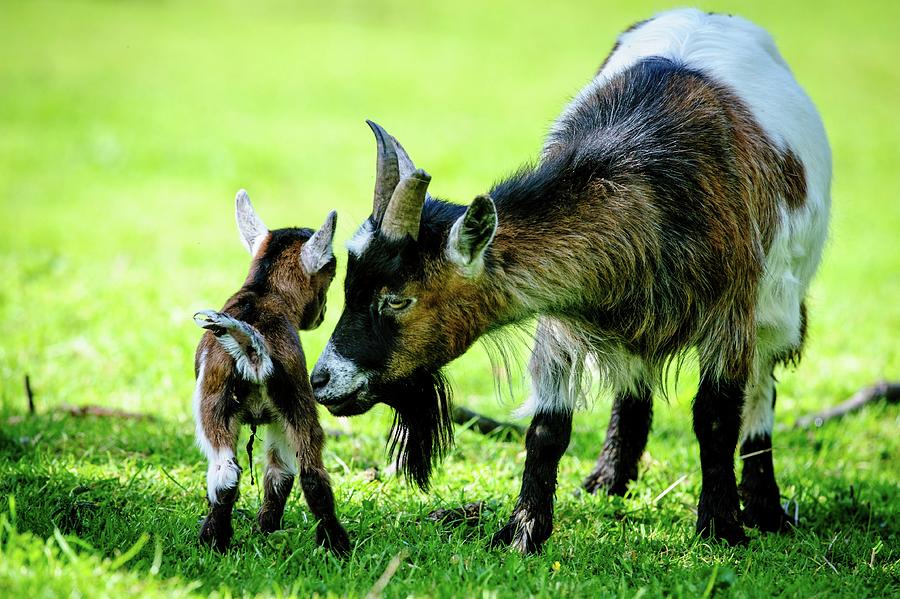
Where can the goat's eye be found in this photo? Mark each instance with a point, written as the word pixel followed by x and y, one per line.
pixel 398 304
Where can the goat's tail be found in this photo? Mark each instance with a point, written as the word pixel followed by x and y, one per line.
pixel 242 341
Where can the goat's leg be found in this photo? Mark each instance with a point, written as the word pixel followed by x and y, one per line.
pixel 320 499
pixel 626 438
pixel 531 522
pixel 291 396
pixel 546 441
pixel 758 489
pixel 309 442
pixel 278 480
pixel 293 399
pixel 717 418
pixel 217 437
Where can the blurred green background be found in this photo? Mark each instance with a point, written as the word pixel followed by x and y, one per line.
pixel 127 127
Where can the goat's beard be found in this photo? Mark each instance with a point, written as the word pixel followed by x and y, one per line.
pixel 422 431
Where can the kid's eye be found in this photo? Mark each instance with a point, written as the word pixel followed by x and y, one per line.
pixel 398 303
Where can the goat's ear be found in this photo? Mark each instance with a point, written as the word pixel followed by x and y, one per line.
pixel 251 227
pixel 317 251
pixel 471 234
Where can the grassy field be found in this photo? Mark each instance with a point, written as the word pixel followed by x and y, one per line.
pixel 126 128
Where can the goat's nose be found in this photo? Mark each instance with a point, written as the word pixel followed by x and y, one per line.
pixel 319 378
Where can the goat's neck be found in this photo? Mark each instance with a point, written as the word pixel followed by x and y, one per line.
pixel 556 249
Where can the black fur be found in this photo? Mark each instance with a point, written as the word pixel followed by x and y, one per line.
pixel 216 529
pixel 626 438
pixel 422 431
pixel 532 519
pixel 717 422
pixel 320 498
pixel 277 490
pixel 758 489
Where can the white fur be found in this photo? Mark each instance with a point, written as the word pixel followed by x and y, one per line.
pixel 568 358
pixel 453 254
pixel 223 471
pixel 743 57
pixel 345 376
pixel 317 251
pixel 255 373
pixel 558 370
pixel 247 370
pixel 758 418
pixel 202 441
pixel 281 462
pixel 360 240
pixel 252 229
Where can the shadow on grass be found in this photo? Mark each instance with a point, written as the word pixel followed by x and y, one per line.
pixel 107 482
pixel 97 440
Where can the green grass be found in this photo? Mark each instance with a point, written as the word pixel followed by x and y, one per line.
pixel 126 128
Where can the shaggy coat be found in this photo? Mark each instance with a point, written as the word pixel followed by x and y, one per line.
pixel 250 369
pixel 680 202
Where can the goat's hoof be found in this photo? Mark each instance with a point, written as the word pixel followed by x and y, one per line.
pixel 766 517
pixel 728 529
pixel 503 537
pixel 600 482
pixel 334 538
pixel 216 534
pixel 526 534
pixel 269 521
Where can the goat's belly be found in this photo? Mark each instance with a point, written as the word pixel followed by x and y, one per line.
pixel 791 263
pixel 743 57
pixel 257 408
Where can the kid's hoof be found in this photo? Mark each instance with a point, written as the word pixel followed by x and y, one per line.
pixel 269 521
pixel 216 534
pixel 526 534
pixel 766 517
pixel 333 538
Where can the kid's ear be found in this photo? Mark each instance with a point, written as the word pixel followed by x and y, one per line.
pixel 317 252
pixel 471 234
pixel 251 227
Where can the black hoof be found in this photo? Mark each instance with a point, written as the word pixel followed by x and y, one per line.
pixel 334 538
pixel 766 517
pixel 722 528
pixel 526 534
pixel 216 533
pixel 503 537
pixel 599 481
pixel 269 520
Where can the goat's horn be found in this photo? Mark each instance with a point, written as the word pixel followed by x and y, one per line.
pixel 404 211
pixel 387 170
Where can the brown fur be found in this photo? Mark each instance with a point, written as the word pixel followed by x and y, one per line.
pixel 641 233
pixel 277 298
pixel 654 312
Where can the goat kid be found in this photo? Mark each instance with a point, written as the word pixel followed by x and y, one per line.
pixel 680 201
pixel 250 369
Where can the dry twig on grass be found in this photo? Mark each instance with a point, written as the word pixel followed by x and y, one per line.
pixel 30 394
pixel 103 412
pixel 467 514
pixel 506 431
pixel 881 390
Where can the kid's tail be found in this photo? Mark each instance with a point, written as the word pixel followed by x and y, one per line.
pixel 242 342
